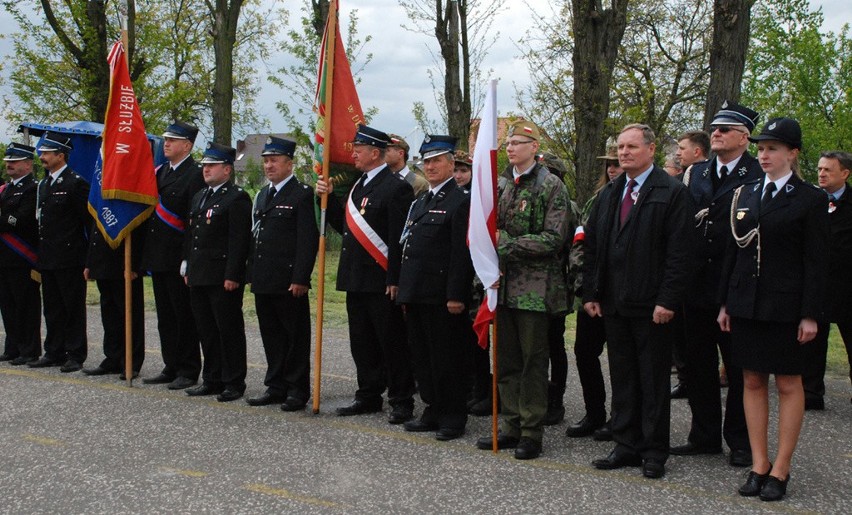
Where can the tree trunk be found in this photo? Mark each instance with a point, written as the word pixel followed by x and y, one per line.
pixel 447 33
pixel 224 31
pixel 319 8
pixel 731 23
pixel 597 37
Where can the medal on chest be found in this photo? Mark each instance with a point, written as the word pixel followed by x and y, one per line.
pixel 364 205
pixel 831 207
pixel 209 215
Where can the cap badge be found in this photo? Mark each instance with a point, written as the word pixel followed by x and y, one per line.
pixel 772 126
pixel 725 104
pixel 427 139
pixel 268 140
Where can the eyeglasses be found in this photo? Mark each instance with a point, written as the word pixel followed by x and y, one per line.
pixel 515 143
pixel 724 129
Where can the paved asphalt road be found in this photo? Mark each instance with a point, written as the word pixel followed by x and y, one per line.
pixel 75 444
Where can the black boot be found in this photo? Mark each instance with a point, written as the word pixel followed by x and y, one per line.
pixel 555 408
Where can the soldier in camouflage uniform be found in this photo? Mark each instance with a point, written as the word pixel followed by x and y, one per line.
pixel 532 218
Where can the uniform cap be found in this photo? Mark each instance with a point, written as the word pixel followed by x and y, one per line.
pixel 216 153
pixel 525 128
pixel 370 136
pixel 611 153
pixel 735 114
pixel 462 157
pixel 435 145
pixel 279 147
pixel 181 130
pixel 18 152
pixel 397 141
pixel 55 142
pixel 785 130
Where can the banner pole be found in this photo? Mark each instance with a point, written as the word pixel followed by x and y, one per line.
pixel 494 400
pixel 128 281
pixel 330 50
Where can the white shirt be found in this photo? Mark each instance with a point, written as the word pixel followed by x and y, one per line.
pixel 640 180
pixel 731 165
pixel 55 175
pixel 372 173
pixel 277 187
pixel 779 183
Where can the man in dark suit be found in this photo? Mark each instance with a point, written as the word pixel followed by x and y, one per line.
pixel 834 169
pixel 434 288
pixel 638 239
pixel 63 216
pixel 283 254
pixel 711 185
pixel 217 246
pixel 178 180
pixel 371 220
pixel 20 302
pixel 105 266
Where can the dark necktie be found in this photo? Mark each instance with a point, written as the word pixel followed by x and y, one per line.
pixel 429 196
pixel 270 195
pixel 627 202
pixel 361 182
pixel 767 194
pixel 206 197
pixel 723 172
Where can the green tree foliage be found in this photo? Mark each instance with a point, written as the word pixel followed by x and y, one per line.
pixel 796 70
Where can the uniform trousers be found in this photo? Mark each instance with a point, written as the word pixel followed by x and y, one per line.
pixel 441 355
pixel 640 360
pixel 285 328
pixel 588 347
pixel 379 345
pixel 556 349
pixel 64 294
pixel 176 326
pixel 704 393
pixel 219 318
pixel 522 359
pixel 20 305
pixel 816 353
pixel 112 318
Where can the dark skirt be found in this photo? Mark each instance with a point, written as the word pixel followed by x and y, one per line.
pixel 768 347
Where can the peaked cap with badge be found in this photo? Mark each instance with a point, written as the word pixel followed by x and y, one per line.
pixel 370 136
pixel 216 153
pixel 181 130
pixel 275 146
pixel 735 114
pixel 435 145
pixel 18 152
pixel 55 142
pixel 785 130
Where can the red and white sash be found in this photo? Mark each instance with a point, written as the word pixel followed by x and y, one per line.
pixel 366 236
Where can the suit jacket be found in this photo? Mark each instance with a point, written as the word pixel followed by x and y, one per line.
pixel 436 265
pixel 17 218
pixel 386 199
pixel 794 255
pixel 219 236
pixel 712 224
pixel 104 263
pixel 648 261
pixel 64 221
pixel 838 304
pixel 284 246
pixel 162 252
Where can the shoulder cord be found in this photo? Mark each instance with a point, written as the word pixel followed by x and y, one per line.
pixel 744 241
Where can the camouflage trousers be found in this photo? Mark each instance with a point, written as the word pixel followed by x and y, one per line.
pixel 522 361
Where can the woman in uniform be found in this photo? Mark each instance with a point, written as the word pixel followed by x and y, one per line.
pixel 772 296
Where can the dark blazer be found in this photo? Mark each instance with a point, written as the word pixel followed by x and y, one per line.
pixel 64 223
pixel 219 236
pixel 838 303
pixel 794 255
pixel 436 265
pixel 162 252
pixel 17 218
pixel 713 230
pixel 104 263
pixel 388 198
pixel 284 246
pixel 646 262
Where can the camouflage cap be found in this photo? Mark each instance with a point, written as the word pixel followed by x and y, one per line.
pixel 462 157
pixel 554 164
pixel 611 153
pixel 397 141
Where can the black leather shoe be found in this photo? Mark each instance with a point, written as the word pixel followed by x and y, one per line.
pixel 204 389
pixel 43 362
pixel 527 449
pixel 754 483
pixel 446 434
pixel 399 415
pixel 358 407
pixel 6 357
pixel 653 468
pixel 604 433
pixel 481 408
pixel 265 399
pixel 22 360
pixel 179 383
pixel 123 377
pixel 584 427
pixel 70 366
pixel 814 404
pixel 98 371
pixel 617 461
pixel 691 449
pixel 420 426
pixel 739 458
pixel 774 489
pixel 159 379
pixel 228 395
pixel 678 391
pixel 503 442
pixel 293 404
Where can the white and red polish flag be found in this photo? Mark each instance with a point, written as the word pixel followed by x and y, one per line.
pixel 482 228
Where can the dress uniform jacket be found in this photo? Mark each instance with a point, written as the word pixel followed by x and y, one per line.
pixel 386 199
pixel 219 236
pixel 794 255
pixel 17 218
pixel 64 221
pixel 838 306
pixel 285 239
pixel 163 244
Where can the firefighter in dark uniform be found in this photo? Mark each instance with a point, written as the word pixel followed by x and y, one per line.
pixel 20 302
pixel 63 215
pixel 434 288
pixel 178 180
pixel 285 241
pixel 217 246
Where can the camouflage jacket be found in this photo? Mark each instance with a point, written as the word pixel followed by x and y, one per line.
pixel 533 218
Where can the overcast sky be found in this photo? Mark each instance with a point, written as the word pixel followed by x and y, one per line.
pixel 397 77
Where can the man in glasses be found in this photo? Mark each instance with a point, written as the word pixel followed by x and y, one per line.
pixel 712 184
